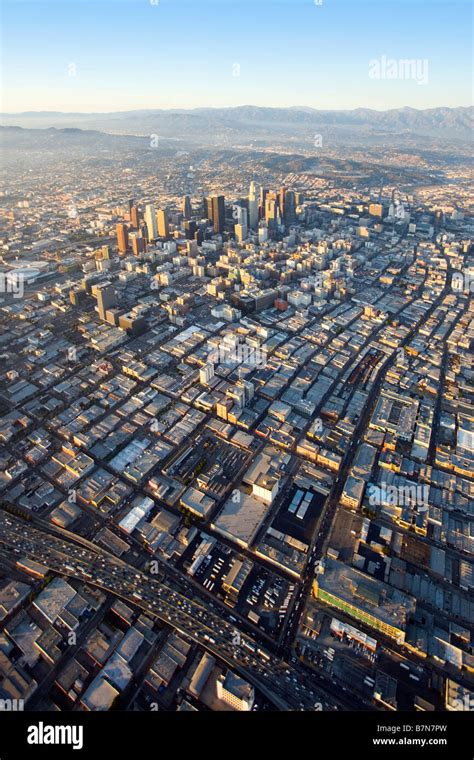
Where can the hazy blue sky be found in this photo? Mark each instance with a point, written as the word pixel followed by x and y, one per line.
pixel 71 55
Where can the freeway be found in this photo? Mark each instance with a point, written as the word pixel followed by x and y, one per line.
pixel 285 685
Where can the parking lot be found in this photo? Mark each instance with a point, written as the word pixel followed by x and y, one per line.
pixel 265 599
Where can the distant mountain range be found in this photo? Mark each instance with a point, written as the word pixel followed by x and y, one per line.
pixel 52 138
pixel 247 125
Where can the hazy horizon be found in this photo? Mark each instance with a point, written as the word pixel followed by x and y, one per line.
pixel 235 107
pixel 79 56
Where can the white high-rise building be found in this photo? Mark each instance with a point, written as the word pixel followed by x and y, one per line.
pixel 206 373
pixel 262 232
pixel 241 215
pixel 150 221
pixel 253 206
pixel 249 390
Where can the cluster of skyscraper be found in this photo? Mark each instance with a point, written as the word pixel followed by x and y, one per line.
pixel 263 212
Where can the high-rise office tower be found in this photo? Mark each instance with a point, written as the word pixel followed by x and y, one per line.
pixel 163 224
pixel 138 244
pixel 207 208
pixel 271 211
pixel 150 221
pixel 189 230
pixel 241 232
pixel 281 201
pixel 105 294
pixel 206 373
pixel 262 232
pixel 122 237
pixel 253 206
pixel 263 198
pixel 290 207
pixel 218 212
pixel 135 217
pixel 187 210
pixel 249 390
